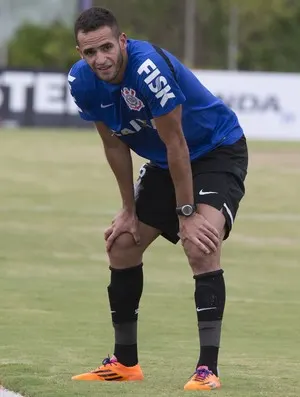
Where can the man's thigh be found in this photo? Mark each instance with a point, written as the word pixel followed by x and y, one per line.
pixel 156 202
pixel 222 192
pixel 218 180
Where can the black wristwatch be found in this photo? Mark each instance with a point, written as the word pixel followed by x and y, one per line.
pixel 186 210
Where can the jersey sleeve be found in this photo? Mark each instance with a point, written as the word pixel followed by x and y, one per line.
pixel 82 99
pixel 158 85
pixel 83 111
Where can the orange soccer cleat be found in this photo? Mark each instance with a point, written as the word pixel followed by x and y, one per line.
pixel 203 379
pixel 112 370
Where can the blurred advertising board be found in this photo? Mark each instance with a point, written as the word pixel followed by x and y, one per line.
pixel 267 104
pixel 36 98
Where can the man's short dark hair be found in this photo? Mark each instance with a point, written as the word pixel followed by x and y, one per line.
pixel 95 18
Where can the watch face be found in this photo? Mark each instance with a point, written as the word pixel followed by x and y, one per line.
pixel 187 210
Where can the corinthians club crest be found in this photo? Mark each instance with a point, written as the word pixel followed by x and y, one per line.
pixel 131 100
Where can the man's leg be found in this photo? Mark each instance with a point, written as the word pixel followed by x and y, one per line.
pixel 209 301
pixel 124 292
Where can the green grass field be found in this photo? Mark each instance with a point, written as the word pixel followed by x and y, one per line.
pixel 56 197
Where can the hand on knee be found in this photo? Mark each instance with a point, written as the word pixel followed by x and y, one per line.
pixel 200 262
pixel 124 252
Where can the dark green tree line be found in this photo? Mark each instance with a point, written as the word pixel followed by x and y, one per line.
pixel 268 33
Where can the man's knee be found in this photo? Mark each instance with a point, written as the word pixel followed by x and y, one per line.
pixel 201 262
pixel 124 252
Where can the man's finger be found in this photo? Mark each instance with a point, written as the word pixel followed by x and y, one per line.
pixel 110 241
pixel 212 237
pixel 108 232
pixel 137 238
pixel 212 229
pixel 208 242
pixel 202 247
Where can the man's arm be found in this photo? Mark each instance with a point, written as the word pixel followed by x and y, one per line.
pixel 170 131
pixel 165 98
pixel 194 228
pixel 119 158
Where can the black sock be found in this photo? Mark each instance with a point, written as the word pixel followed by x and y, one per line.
pixel 124 294
pixel 210 297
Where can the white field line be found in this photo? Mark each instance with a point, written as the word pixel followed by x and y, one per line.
pixel 270 217
pixel 250 301
pixel 46 228
pixel 22 227
pixel 255 216
pixel 263 241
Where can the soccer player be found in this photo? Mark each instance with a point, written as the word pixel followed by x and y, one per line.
pixel 141 98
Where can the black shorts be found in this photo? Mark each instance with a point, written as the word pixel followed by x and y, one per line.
pixel 218 181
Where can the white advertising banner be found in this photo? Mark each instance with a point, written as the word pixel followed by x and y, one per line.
pixel 36 98
pixel 267 104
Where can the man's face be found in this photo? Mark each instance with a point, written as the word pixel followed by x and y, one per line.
pixel 103 51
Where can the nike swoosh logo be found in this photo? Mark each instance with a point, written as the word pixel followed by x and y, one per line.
pixel 202 193
pixel 106 106
pixel 203 309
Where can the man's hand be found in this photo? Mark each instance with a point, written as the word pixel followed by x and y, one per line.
pixel 200 232
pixel 124 222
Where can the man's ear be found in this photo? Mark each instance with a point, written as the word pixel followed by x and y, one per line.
pixel 123 41
pixel 79 51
